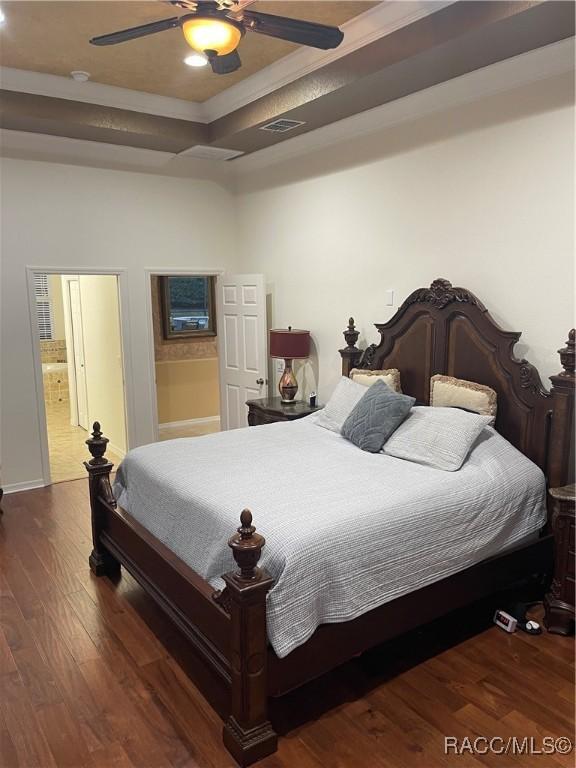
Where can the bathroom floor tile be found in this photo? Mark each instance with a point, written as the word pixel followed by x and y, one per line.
pixel 67 446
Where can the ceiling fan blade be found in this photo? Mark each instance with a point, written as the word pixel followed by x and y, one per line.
pixel 294 30
pixel 223 65
pixel 134 32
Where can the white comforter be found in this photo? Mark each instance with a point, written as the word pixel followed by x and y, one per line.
pixel 346 530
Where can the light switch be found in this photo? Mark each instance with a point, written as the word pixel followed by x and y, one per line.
pixel 389 298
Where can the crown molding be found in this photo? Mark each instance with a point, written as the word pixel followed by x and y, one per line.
pixel 375 23
pixel 360 31
pixel 42 84
pixel 39 147
pixel 538 65
pixel 544 63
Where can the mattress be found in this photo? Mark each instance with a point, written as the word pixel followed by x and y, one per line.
pixel 346 531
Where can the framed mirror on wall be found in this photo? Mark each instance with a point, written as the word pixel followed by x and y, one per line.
pixel 188 306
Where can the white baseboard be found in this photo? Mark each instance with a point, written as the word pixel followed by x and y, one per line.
pixel 26 486
pixel 187 423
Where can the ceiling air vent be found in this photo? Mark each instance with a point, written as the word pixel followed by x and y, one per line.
pixel 210 153
pixel 281 126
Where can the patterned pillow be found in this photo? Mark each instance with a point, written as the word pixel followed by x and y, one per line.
pixel 375 417
pixel 437 437
pixel 459 393
pixel 390 376
pixel 344 398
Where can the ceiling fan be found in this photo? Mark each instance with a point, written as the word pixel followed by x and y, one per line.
pixel 215 27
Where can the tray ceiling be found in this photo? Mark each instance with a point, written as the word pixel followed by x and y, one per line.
pixel 52 37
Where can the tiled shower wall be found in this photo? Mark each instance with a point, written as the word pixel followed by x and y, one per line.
pixel 53 351
pixel 56 387
pixel 55 382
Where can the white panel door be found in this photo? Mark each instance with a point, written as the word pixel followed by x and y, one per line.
pixel 242 345
pixel 78 342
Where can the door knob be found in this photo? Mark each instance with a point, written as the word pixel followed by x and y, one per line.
pixel 259 381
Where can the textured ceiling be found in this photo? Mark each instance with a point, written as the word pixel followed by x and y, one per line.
pixel 53 37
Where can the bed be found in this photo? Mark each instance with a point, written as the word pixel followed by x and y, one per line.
pixel 359 547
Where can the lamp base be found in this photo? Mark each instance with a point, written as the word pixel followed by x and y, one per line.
pixel 288 386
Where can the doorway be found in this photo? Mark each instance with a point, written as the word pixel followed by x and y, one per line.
pixel 78 326
pixel 185 352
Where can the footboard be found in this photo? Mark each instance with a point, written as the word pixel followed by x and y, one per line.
pixel 226 629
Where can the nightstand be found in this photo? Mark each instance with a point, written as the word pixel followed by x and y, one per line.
pixel 267 410
pixel 559 601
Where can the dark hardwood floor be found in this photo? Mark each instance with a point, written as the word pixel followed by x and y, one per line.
pixel 86 682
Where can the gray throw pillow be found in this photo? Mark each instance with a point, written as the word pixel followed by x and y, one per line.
pixel 375 417
pixel 437 436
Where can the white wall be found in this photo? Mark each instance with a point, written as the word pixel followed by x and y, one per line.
pixel 103 356
pixel 481 195
pixel 73 217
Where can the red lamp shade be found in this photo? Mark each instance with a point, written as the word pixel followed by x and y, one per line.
pixel 289 343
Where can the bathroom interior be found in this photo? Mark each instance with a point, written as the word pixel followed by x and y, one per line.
pixel 78 325
pixel 186 358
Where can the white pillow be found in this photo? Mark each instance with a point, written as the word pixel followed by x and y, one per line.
pixel 390 377
pixel 438 437
pixel 345 396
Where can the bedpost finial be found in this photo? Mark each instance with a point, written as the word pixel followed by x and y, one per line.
pixel 351 334
pixel 246 546
pixel 246 528
pixel 97 446
pixel 568 354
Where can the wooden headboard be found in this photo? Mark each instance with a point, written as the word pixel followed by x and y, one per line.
pixel 447 330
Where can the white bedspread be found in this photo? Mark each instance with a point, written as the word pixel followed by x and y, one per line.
pixel 346 530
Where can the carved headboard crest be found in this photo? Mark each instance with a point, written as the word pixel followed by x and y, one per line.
pixel 441 293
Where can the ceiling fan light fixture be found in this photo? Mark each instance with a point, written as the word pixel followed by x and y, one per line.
pixel 205 33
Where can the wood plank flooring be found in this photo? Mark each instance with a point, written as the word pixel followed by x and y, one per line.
pixel 90 677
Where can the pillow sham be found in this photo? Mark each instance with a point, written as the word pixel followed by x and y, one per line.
pixel 390 376
pixel 345 396
pixel 375 417
pixel 459 393
pixel 437 437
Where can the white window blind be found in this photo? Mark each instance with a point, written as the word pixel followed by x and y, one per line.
pixel 43 306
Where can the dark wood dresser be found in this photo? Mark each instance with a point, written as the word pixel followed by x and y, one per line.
pixel 559 601
pixel 267 410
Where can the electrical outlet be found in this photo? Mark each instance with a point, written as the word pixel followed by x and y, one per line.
pixel 279 367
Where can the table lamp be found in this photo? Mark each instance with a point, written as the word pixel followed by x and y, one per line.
pixel 289 343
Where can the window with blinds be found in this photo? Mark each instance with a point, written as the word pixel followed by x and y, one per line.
pixel 43 306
